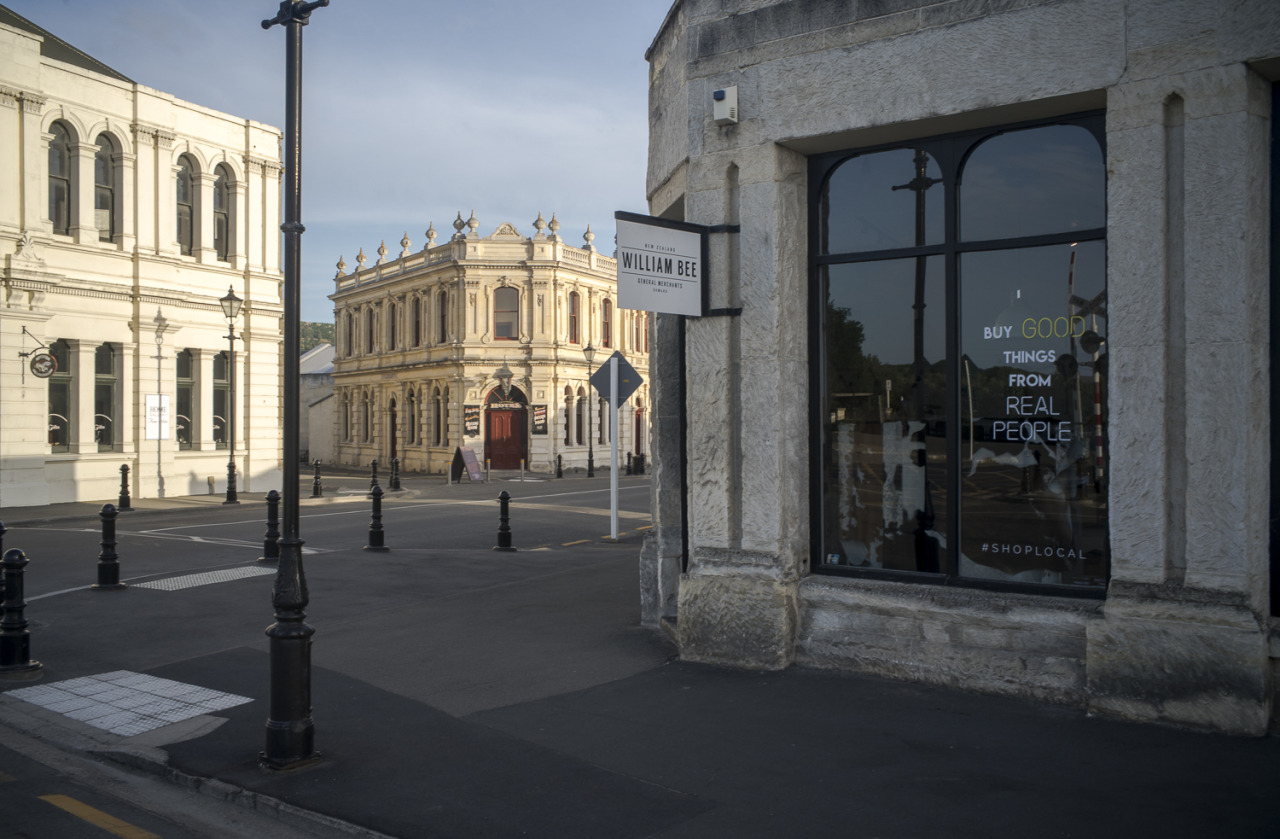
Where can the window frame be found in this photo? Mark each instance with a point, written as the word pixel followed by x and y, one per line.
pixel 188 175
pixel 106 158
pixel 224 202
pixel 951 152
pixel 185 384
pixel 62 379
pixel 61 144
pixel 509 316
pixel 575 316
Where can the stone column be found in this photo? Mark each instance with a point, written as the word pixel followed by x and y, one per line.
pixel 1183 638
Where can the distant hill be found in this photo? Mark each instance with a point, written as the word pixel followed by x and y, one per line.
pixel 312 335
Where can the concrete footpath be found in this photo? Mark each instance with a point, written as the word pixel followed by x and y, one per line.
pixel 459 692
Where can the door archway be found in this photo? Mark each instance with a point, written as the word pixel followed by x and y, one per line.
pixel 506 428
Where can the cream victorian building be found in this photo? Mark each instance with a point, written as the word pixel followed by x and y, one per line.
pixel 478 343
pixel 125 215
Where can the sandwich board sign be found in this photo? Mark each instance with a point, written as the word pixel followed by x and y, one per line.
pixel 661 265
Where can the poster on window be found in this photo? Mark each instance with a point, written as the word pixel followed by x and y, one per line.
pixel 471 420
pixel 157 416
pixel 539 419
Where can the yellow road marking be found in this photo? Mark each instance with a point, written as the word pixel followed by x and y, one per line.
pixel 98 818
pixel 5 778
pixel 571 544
pixel 645 527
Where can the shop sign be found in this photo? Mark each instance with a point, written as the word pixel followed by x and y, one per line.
pixel 661 265
pixel 539 419
pixel 471 420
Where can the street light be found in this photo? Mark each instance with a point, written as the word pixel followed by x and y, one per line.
pixel 590 353
pixel 231 310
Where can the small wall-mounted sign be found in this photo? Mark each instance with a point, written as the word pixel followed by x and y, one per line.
pixel 43 365
pixel 661 265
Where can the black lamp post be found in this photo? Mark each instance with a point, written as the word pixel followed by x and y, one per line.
pixel 290 735
pixel 590 353
pixel 231 310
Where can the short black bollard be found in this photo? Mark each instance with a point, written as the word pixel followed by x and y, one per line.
pixel 317 491
pixel 123 500
pixel 504 528
pixel 373 477
pixel 376 536
pixel 15 640
pixel 629 472
pixel 108 561
pixel 271 539
pixel 394 483
pixel 559 466
pixel 640 464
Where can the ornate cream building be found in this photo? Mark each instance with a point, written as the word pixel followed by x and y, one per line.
pixel 125 214
pixel 478 342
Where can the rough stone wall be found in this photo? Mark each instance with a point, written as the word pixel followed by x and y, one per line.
pixel 1183 634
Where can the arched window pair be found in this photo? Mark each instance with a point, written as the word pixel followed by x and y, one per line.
pixel 189 207
pixel 63 177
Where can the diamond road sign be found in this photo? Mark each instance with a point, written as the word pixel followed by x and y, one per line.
pixel 628 379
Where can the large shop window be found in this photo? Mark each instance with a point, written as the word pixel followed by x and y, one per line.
pixel 61 415
pixel 960 339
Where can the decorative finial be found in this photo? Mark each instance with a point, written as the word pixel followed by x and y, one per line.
pixel 404 244
pixel 360 258
pixel 342 268
pixel 431 236
pixel 589 236
pixel 382 253
pixel 554 226
pixel 472 223
pixel 538 225
pixel 458 223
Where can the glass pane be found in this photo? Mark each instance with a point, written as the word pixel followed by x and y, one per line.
pixel 104 361
pixel 184 228
pixel 185 412
pixel 220 367
pixel 61 352
pixel 184 364
pixel 220 235
pixel 220 416
pixel 59 415
pixel 104 415
pixel 59 162
pixel 59 206
pixel 1033 381
pixel 886 432
pixel 102 163
pixel 883 200
pixel 1037 181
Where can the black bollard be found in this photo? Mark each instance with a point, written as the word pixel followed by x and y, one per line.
pixel 2 532
pixel 376 536
pixel 15 640
pixel 123 500
pixel 108 561
pixel 640 464
pixel 395 473
pixel 271 539
pixel 317 491
pixel 629 472
pixel 559 466
pixel 504 528
pixel 373 477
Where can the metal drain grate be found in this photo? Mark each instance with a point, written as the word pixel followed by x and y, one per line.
pixel 206 578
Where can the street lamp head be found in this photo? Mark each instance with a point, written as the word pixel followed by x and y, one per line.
pixel 231 304
pixel 503 374
pixel 589 352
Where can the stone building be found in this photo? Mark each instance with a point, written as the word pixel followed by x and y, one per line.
pixel 315 396
pixel 996 413
pixel 478 343
pixel 125 215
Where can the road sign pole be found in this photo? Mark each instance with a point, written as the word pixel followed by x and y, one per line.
pixel 613 447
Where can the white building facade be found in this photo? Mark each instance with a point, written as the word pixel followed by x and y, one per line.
pixel 125 215
pixel 996 413
pixel 478 343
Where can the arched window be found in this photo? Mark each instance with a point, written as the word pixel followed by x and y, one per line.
pixel 346 417
pixel 221 398
pixel 351 335
pixel 580 418
pixel 105 377
pixel 186 191
pixel 368 330
pixel 574 335
pixel 442 315
pixel 60 386
pixel 223 208
pixel 104 188
pixel 411 418
pixel 506 314
pixel 365 424
pixel 186 408
pixel 60 179
pixel 417 321
pixel 393 317
pixel 606 324
pixel 568 415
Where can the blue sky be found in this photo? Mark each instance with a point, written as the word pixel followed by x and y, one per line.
pixel 412 110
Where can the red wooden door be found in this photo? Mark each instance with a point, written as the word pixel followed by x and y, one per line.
pixel 505 440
